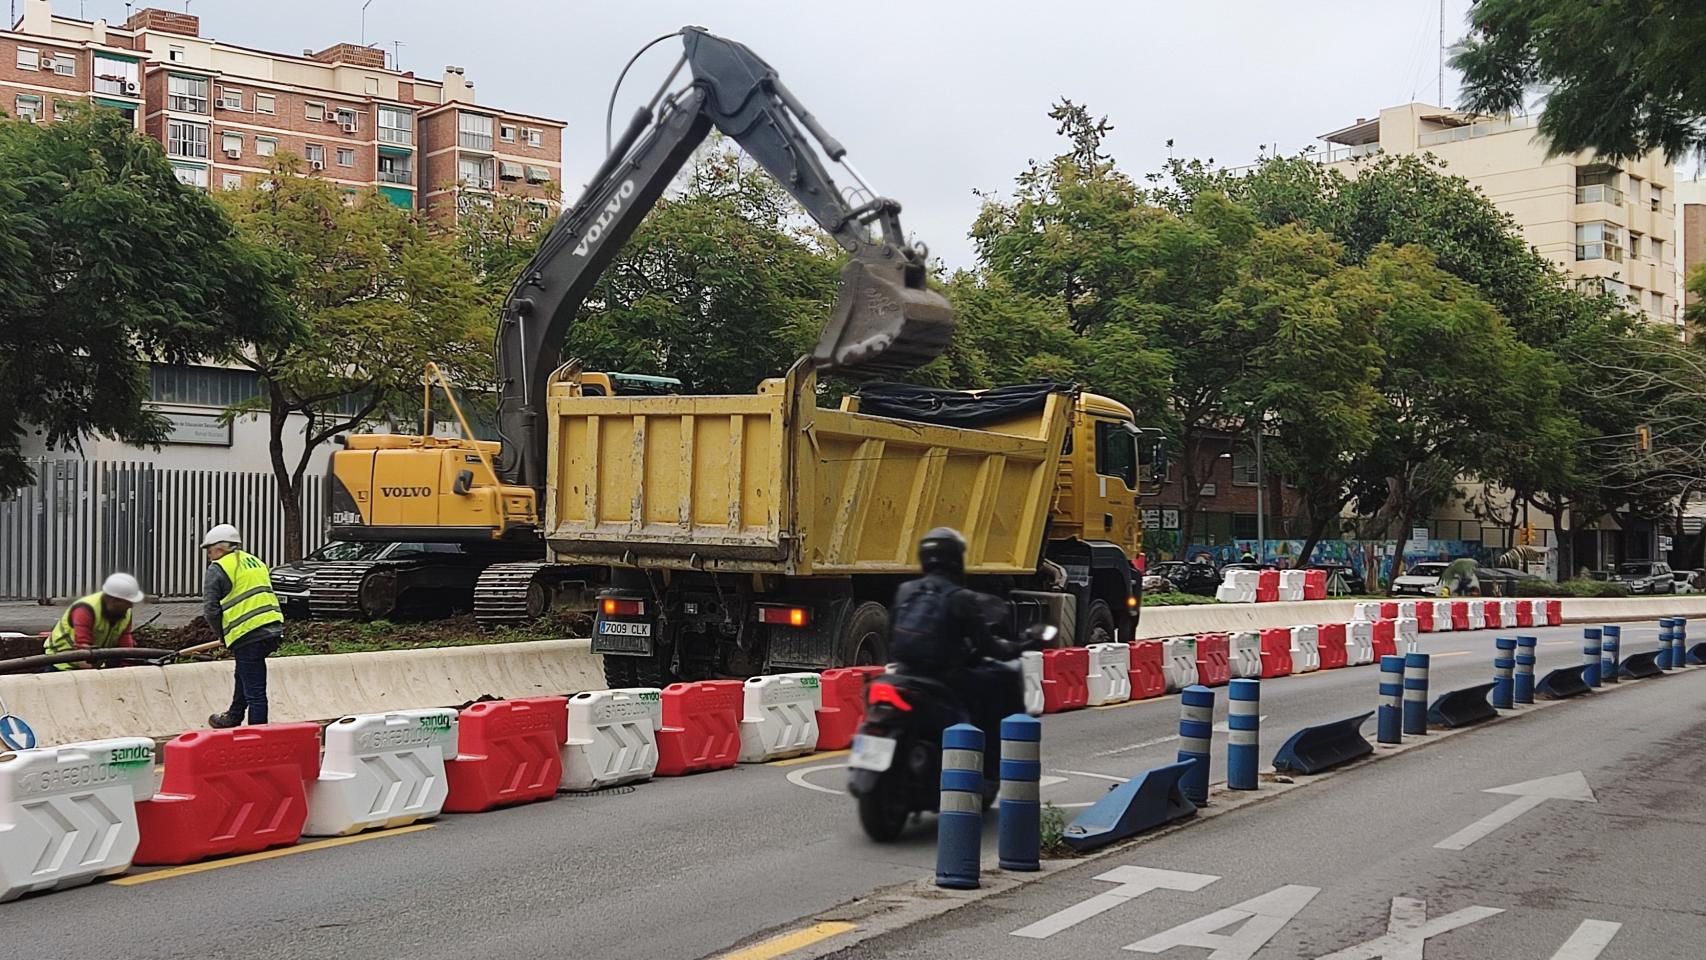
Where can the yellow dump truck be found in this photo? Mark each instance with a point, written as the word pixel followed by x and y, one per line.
pixel 750 534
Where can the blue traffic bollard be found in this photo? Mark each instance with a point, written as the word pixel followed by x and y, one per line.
pixel 1522 686
pixel 1196 728
pixel 1667 639
pixel 1590 656
pixel 1611 652
pixel 1679 642
pixel 1504 672
pixel 1021 837
pixel 959 828
pixel 1415 694
pixel 1243 731
pixel 1391 723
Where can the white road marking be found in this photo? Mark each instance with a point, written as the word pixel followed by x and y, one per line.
pixel 798 779
pixel 1133 882
pixel 1261 917
pixel 1408 931
pixel 1529 794
pixel 1589 940
pixel 1157 741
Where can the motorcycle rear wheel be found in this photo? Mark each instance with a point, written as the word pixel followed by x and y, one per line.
pixel 883 811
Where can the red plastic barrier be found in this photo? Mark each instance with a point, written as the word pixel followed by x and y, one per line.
pixel 1147 677
pixel 1554 612
pixel 230 791
pixel 1330 640
pixel 1425 616
pixel 701 727
pixel 507 752
pixel 1276 652
pixel 1066 679
pixel 1490 611
pixel 1460 615
pixel 1267 586
pixel 1385 639
pixel 1389 611
pixel 1314 584
pixel 1214 663
pixel 1525 613
pixel 843 707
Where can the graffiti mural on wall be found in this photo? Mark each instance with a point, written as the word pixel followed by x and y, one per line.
pixel 1366 556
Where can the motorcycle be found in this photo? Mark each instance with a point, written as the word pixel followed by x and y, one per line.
pixel 896 760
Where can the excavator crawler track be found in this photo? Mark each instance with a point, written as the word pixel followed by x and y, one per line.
pixel 336 591
pixel 509 593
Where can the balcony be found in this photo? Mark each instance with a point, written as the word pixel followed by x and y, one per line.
pixel 397 176
pixel 1599 193
pixel 1599 251
pixel 1472 131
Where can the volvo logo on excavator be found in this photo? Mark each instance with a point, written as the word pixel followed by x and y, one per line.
pixel 611 209
pixel 406 491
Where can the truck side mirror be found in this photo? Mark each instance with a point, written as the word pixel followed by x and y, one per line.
pixel 464 482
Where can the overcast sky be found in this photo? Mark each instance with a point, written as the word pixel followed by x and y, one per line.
pixel 933 98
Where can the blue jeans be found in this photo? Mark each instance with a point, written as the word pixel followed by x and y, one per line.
pixel 251 692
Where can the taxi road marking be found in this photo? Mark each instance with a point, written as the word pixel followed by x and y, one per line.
pixel 207 865
pixel 789 942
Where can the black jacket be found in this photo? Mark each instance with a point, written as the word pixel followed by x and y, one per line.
pixel 966 636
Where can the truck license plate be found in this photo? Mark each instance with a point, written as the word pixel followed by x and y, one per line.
pixel 875 754
pixel 623 628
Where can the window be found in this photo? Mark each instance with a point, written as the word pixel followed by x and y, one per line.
pixel 1635 188
pixel 61 109
pixel 186 94
pixel 346 157
pixel 1634 245
pixel 1658 303
pixel 29 58
pixel 65 65
pixel 1634 297
pixel 230 98
pixel 28 107
pixel 1243 468
pixel 474 172
pixel 509 171
pixel 347 118
pixel 116 76
pixel 532 137
pixel 1658 197
pixel 538 174
pixel 231 143
pixel 175 53
pixel 1116 452
pixel 314 154
pixel 186 140
pixel 190 174
pixel 396 125
pixel 475 130
pixel 266 103
pixel 370 84
pixel 1599 241
pixel 231 181
pixel 394 169
pixel 1658 247
pixel 201 386
pixel 266 146
pixel 506 133
pixel 314 110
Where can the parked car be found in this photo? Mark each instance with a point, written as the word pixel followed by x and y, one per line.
pixel 1646 576
pixel 1348 575
pixel 290 580
pixel 1428 578
pixel 1687 581
pixel 1197 578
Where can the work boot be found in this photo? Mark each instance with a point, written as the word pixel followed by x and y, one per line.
pixel 224 721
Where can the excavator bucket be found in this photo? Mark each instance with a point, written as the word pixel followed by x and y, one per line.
pixel 882 326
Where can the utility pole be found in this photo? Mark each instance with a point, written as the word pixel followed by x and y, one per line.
pixel 369 3
pixel 1261 512
pixel 1441 54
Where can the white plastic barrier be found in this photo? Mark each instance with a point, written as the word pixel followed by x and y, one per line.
pixel 1369 612
pixel 381 770
pixel 779 718
pixel 1442 615
pixel 1407 608
pixel 1110 673
pixel 1407 634
pixel 1238 587
pixel 1359 643
pixel 1305 649
pixel 1291 584
pixel 1477 615
pixel 613 738
pixel 1507 613
pixel 1179 663
pixel 1536 611
pixel 1246 648
pixel 68 813
pixel 1031 668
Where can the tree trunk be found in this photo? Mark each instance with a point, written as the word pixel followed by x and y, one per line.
pixel 1317 530
pixel 289 500
pixel 1566 545
pixel 1190 491
pixel 1408 517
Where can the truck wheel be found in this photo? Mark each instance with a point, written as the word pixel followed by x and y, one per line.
pixel 866 640
pixel 1102 627
pixel 621 672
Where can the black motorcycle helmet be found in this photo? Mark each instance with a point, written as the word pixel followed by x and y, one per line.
pixel 943 551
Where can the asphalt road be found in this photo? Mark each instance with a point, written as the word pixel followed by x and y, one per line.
pixel 671 870
pixel 1351 868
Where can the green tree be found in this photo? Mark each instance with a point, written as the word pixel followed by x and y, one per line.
pixel 108 263
pixel 375 294
pixel 1620 79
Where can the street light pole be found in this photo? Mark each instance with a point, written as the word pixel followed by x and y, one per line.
pixel 1261 513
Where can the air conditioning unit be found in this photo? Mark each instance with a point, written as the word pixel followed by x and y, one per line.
pixel 349 128
pixel 234 153
pixel 130 86
pixel 316 164
pixel 484 184
pixel 47 64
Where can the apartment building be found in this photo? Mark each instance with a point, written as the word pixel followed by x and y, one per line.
pixel 223 111
pixel 1609 224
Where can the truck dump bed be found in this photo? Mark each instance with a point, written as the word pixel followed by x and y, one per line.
pixel 770 483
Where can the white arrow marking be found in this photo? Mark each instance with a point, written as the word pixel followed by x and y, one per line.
pixel 1259 918
pixel 1589 940
pixel 1408 931
pixel 1529 794
pixel 1133 882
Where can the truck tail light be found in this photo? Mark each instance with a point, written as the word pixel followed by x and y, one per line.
pixel 615 607
pixel 785 616
pixel 1131 603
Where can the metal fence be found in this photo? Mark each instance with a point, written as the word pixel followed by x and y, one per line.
pixel 82 520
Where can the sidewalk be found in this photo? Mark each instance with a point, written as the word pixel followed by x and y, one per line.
pixel 24 616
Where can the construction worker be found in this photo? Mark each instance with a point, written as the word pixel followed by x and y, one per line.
pixel 99 621
pixel 239 604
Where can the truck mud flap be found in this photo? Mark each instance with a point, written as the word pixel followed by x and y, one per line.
pixel 1323 747
pixel 1148 801
pixel 1561 683
pixel 1463 707
pixel 1640 666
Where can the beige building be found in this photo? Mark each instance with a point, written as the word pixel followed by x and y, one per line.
pixel 1610 223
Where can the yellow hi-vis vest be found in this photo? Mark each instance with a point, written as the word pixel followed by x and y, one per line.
pixel 250 603
pixel 63 639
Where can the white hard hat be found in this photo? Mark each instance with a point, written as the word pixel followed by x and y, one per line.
pixel 123 586
pixel 222 533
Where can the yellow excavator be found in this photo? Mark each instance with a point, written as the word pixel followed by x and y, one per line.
pixel 482 498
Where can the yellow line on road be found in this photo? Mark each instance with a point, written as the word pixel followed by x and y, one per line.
pixel 1128 703
pixel 1453 653
pixel 205 866
pixel 808 758
pixel 789 942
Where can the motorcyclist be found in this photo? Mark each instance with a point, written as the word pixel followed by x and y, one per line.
pixel 941 630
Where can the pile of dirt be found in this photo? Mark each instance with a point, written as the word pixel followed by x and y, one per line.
pixel 191 634
pixel 12 648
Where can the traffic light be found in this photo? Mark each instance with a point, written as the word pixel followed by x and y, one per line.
pixel 1643 438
